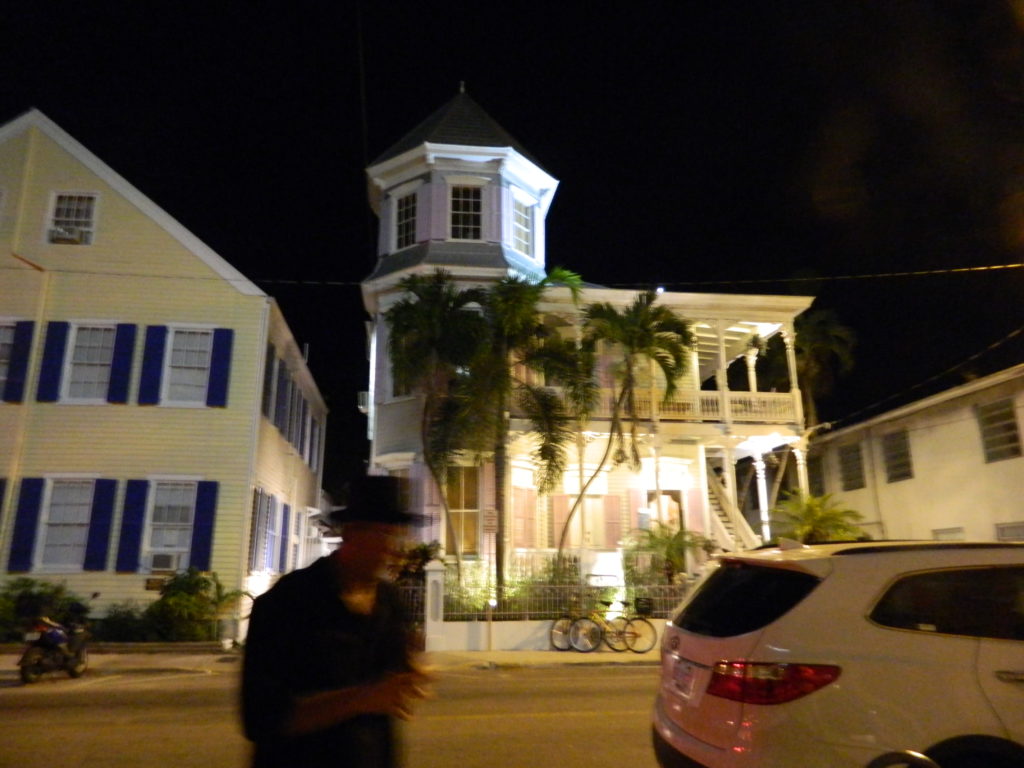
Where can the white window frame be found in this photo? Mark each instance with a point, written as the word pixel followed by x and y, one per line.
pixel 272 541
pixel 896 456
pixel 165 378
pixel 406 212
pixel 460 514
pixel 45 510
pixel 1010 531
pixel 948 534
pixel 69 364
pixel 466 182
pixel 523 206
pixel 86 229
pixel 183 554
pixel 6 348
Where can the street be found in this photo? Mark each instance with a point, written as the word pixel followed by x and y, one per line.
pixel 575 716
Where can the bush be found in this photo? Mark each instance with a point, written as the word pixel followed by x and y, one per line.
pixel 123 623
pixel 23 599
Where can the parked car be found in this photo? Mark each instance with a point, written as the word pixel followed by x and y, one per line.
pixel 836 654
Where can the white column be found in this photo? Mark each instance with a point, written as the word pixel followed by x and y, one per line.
pixel 789 337
pixel 762 499
pixel 800 454
pixel 751 358
pixel 433 604
pixel 721 376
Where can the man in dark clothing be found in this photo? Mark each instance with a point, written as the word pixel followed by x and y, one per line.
pixel 328 665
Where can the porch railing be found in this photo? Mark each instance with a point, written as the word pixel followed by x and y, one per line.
pixel 744 407
pixel 541 602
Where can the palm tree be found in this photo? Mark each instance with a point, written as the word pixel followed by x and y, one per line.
pixel 643 333
pixel 515 336
pixel 669 544
pixel 435 331
pixel 816 519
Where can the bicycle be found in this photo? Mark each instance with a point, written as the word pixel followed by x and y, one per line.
pixel 624 632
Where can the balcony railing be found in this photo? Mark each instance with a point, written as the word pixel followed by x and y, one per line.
pixel 744 407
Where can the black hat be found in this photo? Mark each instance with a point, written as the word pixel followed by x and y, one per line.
pixel 376 499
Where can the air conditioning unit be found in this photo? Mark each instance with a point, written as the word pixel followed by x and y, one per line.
pixel 164 561
pixel 68 235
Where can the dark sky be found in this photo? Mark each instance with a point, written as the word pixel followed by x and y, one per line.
pixel 702 148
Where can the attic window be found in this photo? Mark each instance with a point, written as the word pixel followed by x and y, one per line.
pixel 466 213
pixel 522 227
pixel 405 221
pixel 73 219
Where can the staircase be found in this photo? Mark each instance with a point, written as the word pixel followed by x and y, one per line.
pixel 729 529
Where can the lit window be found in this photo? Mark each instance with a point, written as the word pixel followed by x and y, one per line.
pixel 405 222
pixel 522 227
pixel 73 219
pixel 66 527
pixel 896 452
pixel 1000 437
pixel 170 530
pixel 464 505
pixel 851 467
pixel 188 372
pixel 466 213
pixel 89 367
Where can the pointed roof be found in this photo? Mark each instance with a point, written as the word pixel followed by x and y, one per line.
pixel 461 121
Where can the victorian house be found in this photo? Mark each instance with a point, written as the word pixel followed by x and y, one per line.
pixel 459 193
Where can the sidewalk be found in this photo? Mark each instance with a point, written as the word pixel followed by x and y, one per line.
pixel 153 658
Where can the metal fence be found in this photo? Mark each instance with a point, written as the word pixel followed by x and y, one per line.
pixel 541 601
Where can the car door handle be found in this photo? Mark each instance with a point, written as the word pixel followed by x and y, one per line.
pixel 1010 675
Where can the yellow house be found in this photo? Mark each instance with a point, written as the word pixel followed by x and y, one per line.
pixel 156 412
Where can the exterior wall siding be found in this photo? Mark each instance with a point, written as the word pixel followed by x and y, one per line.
pixel 952 485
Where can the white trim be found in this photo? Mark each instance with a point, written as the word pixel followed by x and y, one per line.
pixel 165 399
pixel 69 348
pixel 38 547
pixel 35 118
pixel 145 548
pixel 93 228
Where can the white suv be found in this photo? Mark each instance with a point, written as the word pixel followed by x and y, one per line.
pixel 834 655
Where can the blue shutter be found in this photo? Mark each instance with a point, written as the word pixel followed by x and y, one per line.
pixel 220 368
pixel 283 560
pixel 152 365
pixel 132 522
pixel 98 541
pixel 271 546
pixel 258 531
pixel 26 522
pixel 121 364
pixel 48 390
pixel 17 368
pixel 202 527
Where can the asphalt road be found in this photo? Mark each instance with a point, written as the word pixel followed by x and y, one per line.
pixel 571 716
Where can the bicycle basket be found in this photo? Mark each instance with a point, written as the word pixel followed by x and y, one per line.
pixel 644 606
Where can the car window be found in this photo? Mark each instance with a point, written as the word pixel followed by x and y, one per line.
pixel 739 598
pixel 978 602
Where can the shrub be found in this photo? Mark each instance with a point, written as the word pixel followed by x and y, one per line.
pixel 23 599
pixel 124 623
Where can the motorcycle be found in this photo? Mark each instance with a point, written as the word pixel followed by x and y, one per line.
pixel 54 647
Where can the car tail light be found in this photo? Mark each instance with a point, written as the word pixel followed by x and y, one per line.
pixel 756 682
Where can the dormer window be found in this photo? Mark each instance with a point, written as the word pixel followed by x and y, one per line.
pixel 522 227
pixel 74 219
pixel 405 221
pixel 466 213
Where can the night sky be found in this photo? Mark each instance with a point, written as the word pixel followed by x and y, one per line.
pixel 763 147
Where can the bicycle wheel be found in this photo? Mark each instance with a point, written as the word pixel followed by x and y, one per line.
pixel 585 635
pixel 615 634
pixel 560 633
pixel 640 635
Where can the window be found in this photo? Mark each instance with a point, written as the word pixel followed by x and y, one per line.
pixel 466 215
pixel 522 227
pixel 1000 438
pixel 92 354
pixel 976 602
pixel 188 368
pixel 739 598
pixel 170 528
pixel 896 452
pixel 851 467
pixel 405 222
pixel 6 351
pixel 948 534
pixel 816 474
pixel 1009 531
pixel 464 504
pixel 73 219
pixel 66 526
